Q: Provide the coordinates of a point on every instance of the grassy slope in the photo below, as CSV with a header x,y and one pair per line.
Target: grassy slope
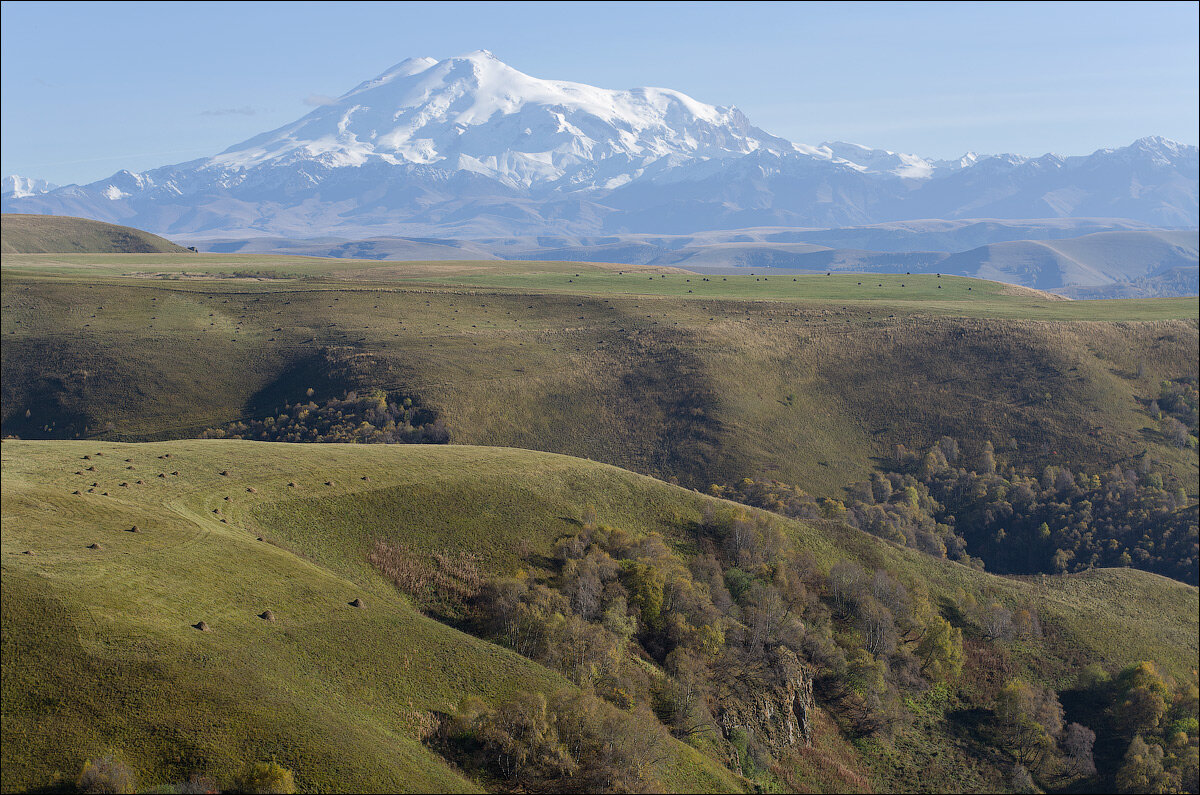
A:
x,y
44,234
100,651
759,382
92,637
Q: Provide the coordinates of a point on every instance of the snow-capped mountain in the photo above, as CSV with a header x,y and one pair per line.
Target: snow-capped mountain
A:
x,y
19,187
469,146
479,115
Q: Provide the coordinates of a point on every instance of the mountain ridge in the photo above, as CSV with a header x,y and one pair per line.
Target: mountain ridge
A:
x,y
469,147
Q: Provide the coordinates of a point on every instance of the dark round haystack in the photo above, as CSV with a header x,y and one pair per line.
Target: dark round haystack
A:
x,y
77,491
252,490
224,472
95,546
29,552
87,458
358,603
134,529
292,484
91,469
203,627
258,539
366,477
176,472
267,615
161,475
128,460
329,483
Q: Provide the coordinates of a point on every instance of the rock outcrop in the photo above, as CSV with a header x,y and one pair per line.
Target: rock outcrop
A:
x,y
773,703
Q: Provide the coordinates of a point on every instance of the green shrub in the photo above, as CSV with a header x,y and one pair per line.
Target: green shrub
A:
x,y
266,777
107,775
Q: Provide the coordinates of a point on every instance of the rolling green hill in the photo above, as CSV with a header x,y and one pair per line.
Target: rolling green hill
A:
x,y
58,234
100,653
802,381
94,637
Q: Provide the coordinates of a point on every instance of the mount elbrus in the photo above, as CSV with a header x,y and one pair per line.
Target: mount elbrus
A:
x,y
469,146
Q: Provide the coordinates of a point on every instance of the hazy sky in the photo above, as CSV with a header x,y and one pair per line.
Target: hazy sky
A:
x,y
87,89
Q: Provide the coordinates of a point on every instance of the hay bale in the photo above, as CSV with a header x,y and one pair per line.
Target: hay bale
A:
x,y
161,475
128,460
224,472
358,603
87,458
77,491
202,626
251,490
176,472
135,529
29,552
365,477
291,484
95,546
329,483
267,615
91,469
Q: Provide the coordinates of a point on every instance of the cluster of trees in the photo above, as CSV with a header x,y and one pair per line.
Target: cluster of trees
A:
x,y
1149,728
1177,410
1149,731
365,418
107,774
975,508
534,743
745,617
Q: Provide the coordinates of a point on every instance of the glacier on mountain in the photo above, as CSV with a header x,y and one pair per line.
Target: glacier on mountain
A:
x,y
469,146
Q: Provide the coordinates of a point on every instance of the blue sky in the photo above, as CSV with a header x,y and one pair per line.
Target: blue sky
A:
x,y
87,89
